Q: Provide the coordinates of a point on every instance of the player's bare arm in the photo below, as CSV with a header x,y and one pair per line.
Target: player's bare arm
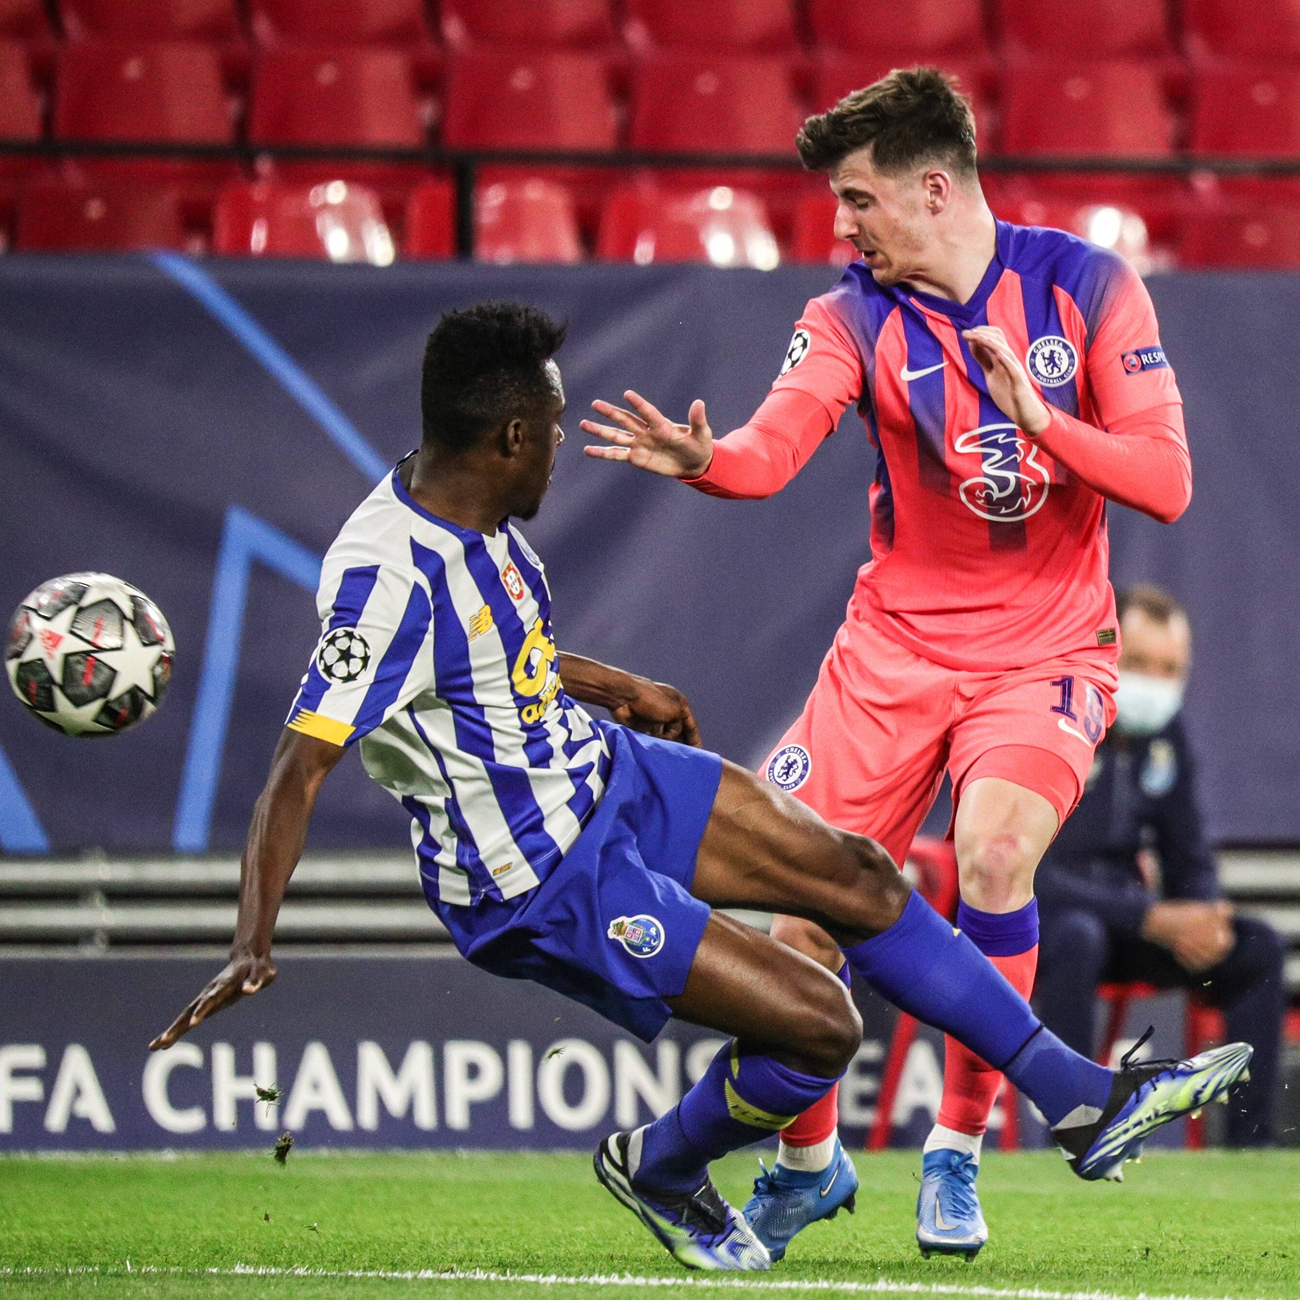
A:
x,y
275,841
654,708
647,439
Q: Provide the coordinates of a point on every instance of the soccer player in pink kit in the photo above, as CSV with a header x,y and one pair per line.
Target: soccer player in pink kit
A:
x,y
1012,381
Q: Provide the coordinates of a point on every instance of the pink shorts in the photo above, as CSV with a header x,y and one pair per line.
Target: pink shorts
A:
x,y
882,725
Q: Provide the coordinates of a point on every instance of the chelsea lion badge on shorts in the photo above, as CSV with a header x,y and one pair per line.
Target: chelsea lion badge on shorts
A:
x,y
789,767
1052,361
642,936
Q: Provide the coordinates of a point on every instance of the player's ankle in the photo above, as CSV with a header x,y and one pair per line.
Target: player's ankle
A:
x,y
950,1139
808,1159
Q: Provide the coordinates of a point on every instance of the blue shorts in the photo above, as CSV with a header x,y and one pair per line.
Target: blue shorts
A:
x,y
614,925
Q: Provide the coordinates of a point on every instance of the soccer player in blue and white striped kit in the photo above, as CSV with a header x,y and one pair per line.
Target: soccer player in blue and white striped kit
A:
x,y
588,855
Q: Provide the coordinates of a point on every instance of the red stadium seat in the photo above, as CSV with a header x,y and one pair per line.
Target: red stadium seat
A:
x,y
718,26
431,220
531,220
529,99
150,20
814,238
720,225
589,187
342,22
1106,29
1268,29
20,101
333,221
1247,111
1039,200
836,74
334,95
687,102
59,217
168,91
23,18
1247,237
912,29
577,24
1112,109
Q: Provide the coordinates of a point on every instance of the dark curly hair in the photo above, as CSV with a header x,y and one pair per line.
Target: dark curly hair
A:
x,y
912,116
483,364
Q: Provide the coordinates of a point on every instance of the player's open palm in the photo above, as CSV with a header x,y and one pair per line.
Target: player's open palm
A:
x,y
243,976
646,438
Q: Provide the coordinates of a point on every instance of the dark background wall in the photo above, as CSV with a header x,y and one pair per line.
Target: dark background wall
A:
x,y
132,419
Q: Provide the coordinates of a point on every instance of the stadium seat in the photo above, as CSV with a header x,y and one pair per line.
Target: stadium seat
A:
x,y
718,26
20,101
1247,237
643,224
332,221
589,187
1110,108
577,24
836,73
334,95
149,20
687,102
529,220
814,239
1246,111
342,22
1106,29
54,216
24,19
909,30
1269,29
167,91
431,220
555,99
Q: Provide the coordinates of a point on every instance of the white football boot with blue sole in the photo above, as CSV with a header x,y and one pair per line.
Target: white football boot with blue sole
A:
x,y
699,1229
1143,1098
786,1201
948,1216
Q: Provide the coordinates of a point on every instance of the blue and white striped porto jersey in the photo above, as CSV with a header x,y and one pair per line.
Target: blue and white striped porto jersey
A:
x,y
436,653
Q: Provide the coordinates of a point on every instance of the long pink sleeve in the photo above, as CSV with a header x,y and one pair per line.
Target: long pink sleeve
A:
x,y
1140,460
761,457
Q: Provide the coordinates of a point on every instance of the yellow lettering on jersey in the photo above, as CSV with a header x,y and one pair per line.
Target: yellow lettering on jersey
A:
x,y
535,666
480,623
321,727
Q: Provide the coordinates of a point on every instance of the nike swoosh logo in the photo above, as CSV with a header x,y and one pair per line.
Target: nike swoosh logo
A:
x,y
1060,722
825,1191
907,375
939,1219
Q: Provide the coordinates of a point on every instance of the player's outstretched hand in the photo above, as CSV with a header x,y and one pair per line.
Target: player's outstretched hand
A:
x,y
1009,385
649,440
659,710
243,976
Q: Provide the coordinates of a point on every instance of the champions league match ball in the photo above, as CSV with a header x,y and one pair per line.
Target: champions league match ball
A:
x,y
89,654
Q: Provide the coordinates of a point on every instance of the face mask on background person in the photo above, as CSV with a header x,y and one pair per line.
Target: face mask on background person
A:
x,y
1145,704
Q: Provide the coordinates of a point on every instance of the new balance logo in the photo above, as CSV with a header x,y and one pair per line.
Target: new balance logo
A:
x,y
907,375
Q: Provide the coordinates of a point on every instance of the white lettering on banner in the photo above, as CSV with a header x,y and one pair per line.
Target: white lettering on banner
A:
x,y
228,1088
595,1084
699,1057
411,1087
471,1071
921,1083
859,1086
76,1092
519,1068
157,1074
633,1081
19,1056
316,1087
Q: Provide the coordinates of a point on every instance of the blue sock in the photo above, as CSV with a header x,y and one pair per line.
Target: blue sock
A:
x,y
741,1099
1000,934
935,973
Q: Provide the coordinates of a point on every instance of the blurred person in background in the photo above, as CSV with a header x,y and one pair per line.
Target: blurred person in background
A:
x,y
1129,890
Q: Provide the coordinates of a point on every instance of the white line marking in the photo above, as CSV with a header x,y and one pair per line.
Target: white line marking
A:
x,y
880,1286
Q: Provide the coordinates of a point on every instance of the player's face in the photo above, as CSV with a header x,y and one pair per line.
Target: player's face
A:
x,y
886,218
1156,649
544,436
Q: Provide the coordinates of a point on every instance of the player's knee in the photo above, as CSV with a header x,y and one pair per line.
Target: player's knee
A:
x,y
877,885
833,1029
996,869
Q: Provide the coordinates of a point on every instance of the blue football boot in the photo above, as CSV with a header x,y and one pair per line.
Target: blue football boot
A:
x,y
786,1201
1143,1098
699,1229
948,1216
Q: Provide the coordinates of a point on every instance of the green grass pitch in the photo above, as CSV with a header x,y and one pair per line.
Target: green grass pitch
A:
x,y
1197,1224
